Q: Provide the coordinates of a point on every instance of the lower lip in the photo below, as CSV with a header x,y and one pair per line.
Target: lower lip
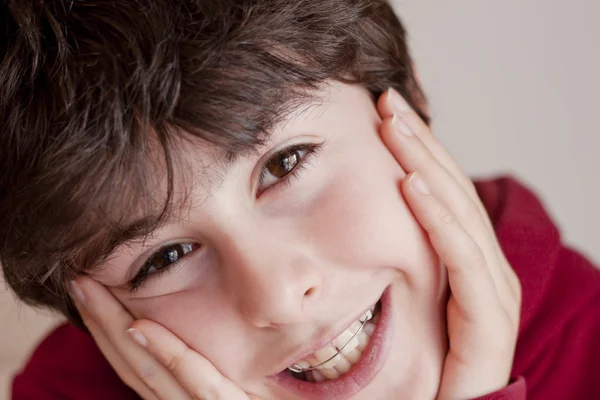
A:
x,y
361,374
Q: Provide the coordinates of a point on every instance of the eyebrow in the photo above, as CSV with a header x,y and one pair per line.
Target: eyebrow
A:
x,y
138,230
225,163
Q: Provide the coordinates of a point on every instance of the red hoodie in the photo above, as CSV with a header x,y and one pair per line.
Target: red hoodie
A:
x,y
557,355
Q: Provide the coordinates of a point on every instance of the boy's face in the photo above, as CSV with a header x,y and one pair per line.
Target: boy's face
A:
x,y
274,265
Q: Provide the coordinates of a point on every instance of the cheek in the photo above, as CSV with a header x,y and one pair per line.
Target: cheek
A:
x,y
206,322
362,219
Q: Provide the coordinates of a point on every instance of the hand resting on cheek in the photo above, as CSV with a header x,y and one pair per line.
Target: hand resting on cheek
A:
x,y
482,312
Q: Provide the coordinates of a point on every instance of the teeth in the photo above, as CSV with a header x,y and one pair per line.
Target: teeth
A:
x,y
341,340
355,326
333,362
330,373
363,340
343,365
325,353
369,328
366,316
317,376
303,364
352,345
354,355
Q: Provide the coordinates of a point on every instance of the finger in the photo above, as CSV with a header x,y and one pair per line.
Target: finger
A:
x,y
111,318
480,328
197,375
412,155
390,103
114,358
468,274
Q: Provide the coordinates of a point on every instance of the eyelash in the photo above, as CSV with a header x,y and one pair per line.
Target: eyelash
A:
x,y
312,149
142,277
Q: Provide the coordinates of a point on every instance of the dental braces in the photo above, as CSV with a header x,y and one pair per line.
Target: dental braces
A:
x,y
298,369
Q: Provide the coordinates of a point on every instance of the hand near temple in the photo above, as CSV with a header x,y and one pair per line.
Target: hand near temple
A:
x,y
484,307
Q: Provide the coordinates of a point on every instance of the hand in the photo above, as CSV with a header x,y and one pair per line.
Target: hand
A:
x,y
162,367
484,307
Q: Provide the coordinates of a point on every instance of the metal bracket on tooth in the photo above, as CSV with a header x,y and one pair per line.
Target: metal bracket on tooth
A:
x,y
298,369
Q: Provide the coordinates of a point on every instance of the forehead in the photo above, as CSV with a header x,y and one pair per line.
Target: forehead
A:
x,y
325,110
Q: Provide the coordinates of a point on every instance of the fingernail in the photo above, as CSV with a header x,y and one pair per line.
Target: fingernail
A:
x,y
137,337
418,183
401,126
398,101
76,292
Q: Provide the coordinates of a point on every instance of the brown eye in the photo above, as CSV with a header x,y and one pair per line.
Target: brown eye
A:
x,y
283,163
167,256
160,262
280,165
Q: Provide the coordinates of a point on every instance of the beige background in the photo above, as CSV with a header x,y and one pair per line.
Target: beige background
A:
x,y
514,87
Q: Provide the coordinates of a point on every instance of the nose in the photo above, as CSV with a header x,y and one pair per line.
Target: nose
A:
x,y
273,282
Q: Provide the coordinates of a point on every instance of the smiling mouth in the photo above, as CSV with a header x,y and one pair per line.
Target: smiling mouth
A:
x,y
354,369
339,356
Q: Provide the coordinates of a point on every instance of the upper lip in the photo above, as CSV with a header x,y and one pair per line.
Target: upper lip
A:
x,y
322,339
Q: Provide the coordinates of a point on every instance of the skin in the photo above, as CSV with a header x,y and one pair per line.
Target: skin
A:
x,y
333,259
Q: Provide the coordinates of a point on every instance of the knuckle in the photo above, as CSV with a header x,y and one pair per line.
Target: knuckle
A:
x,y
207,393
468,213
445,217
104,322
474,258
476,255
146,373
99,318
176,362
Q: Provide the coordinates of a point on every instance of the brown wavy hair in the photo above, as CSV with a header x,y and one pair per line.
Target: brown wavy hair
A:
x,y
86,85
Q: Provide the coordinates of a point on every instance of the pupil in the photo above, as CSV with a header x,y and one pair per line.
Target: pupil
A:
x,y
171,255
284,164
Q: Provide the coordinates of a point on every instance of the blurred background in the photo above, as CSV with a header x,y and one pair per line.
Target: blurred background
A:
x,y
513,87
